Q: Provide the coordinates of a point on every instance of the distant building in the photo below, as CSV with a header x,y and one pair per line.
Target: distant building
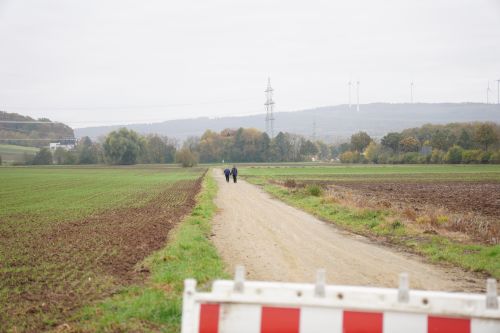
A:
x,y
67,144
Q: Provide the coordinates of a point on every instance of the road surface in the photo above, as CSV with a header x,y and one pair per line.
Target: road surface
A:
x,y
277,242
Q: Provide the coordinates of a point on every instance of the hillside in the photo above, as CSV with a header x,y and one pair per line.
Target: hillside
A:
x,y
32,133
332,122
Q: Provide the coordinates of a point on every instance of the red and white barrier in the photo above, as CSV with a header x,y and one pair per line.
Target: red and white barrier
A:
x,y
264,307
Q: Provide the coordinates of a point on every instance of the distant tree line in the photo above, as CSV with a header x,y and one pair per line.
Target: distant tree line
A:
x,y
125,146
251,145
451,143
118,147
242,145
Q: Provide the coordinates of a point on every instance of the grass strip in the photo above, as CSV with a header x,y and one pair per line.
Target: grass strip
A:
x,y
156,306
384,224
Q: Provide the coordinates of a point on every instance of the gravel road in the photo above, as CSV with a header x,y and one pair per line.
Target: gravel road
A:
x,y
277,242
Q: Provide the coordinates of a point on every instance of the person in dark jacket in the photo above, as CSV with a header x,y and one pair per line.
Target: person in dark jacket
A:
x,y
234,172
227,173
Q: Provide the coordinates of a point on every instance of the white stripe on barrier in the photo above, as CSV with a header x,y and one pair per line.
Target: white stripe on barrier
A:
x,y
233,315
397,322
485,326
196,312
320,320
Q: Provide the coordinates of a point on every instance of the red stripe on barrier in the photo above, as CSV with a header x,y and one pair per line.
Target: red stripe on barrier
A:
x,y
362,322
447,325
209,318
280,320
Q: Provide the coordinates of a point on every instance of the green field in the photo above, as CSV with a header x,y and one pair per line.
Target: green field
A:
x,y
69,236
12,153
54,194
376,172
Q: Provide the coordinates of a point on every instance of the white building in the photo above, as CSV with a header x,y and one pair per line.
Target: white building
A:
x,y
64,144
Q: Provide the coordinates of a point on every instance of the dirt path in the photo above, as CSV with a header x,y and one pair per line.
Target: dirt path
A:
x,y
281,243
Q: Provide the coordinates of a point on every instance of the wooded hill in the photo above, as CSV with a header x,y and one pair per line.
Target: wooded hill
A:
x,y
32,134
333,123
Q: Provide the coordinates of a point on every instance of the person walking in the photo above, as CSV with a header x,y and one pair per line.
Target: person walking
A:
x,y
234,172
227,173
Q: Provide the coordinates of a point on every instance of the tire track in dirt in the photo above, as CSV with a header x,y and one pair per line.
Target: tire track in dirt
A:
x,y
278,242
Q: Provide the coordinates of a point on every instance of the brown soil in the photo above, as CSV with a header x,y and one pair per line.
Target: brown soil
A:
x,y
81,261
459,197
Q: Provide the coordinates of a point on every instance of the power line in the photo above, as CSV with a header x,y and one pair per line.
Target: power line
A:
x,y
27,122
14,139
123,107
133,121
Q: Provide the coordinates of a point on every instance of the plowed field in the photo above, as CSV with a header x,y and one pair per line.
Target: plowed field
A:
x,y
51,266
459,197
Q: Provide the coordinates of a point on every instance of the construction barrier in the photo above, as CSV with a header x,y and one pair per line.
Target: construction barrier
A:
x,y
270,307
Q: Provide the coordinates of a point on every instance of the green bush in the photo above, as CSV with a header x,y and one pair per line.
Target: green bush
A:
x,y
43,157
396,225
63,156
495,157
485,157
314,190
384,158
454,155
411,158
396,159
472,156
347,157
186,158
437,156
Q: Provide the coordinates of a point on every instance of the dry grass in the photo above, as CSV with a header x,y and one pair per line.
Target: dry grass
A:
x,y
481,228
425,218
410,214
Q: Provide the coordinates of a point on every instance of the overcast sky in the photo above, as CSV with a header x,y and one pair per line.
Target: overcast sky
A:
x,y
101,61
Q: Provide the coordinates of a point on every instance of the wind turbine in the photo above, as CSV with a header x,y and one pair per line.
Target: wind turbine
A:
x,y
498,91
411,92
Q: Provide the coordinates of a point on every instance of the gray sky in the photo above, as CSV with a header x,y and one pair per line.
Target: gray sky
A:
x,y
116,61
